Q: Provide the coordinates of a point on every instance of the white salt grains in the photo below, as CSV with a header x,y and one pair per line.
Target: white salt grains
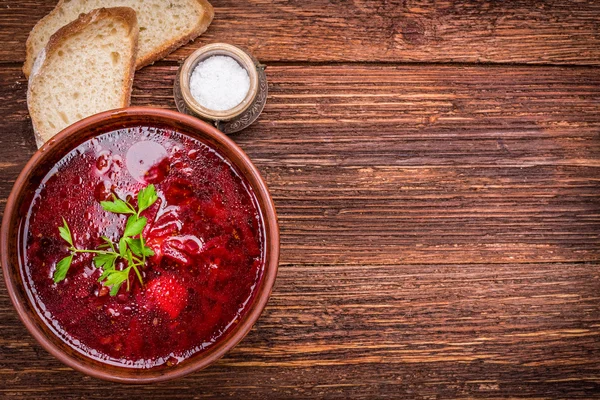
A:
x,y
219,83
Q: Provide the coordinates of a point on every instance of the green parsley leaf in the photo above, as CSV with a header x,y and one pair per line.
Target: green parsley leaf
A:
x,y
62,267
115,279
117,206
146,197
114,288
65,232
134,226
147,251
136,247
105,274
123,247
106,254
106,261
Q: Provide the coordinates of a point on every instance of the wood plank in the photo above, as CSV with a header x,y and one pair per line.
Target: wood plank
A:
x,y
440,237
519,31
383,165
392,165
336,331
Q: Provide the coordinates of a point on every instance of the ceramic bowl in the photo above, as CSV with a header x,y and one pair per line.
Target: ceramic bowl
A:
x,y
54,150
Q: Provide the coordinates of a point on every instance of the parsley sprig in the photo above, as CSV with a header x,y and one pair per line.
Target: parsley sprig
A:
x,y
131,247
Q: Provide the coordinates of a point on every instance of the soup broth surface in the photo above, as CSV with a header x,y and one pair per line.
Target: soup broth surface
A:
x,y
205,230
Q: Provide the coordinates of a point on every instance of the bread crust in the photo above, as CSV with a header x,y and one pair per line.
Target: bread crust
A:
x,y
206,9
207,17
28,65
126,14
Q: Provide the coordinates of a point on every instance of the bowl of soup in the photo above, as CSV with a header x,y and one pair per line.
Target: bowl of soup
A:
x,y
139,245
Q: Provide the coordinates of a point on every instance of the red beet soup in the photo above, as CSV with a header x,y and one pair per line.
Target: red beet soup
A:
x,y
204,234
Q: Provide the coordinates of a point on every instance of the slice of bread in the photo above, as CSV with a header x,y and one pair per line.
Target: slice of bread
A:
x,y
165,25
86,67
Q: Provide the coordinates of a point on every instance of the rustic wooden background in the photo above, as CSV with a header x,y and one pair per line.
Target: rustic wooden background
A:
x,y
435,166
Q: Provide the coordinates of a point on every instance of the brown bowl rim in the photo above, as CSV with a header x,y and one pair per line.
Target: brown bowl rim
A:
x,y
258,304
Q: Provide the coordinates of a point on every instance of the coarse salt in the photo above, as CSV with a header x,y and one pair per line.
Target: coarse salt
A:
x,y
219,83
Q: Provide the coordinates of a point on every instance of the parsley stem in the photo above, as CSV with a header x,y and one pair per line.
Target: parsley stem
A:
x,y
128,278
74,250
143,252
137,272
136,259
139,211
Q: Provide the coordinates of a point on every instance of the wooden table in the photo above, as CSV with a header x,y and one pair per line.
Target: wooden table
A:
x,y
435,166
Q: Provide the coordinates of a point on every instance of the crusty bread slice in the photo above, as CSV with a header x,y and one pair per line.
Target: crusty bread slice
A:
x,y
86,67
165,25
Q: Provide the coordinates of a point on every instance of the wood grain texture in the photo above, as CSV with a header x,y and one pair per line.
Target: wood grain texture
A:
x,y
440,230
440,224
517,31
